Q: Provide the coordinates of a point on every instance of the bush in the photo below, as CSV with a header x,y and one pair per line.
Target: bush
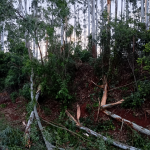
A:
x,y
25,91
137,99
4,60
11,138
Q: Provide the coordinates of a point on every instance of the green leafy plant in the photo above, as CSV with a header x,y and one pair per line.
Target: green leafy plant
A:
x,y
11,138
136,99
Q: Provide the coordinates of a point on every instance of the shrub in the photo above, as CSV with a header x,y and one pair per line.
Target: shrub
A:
x,y
11,138
137,99
25,91
4,59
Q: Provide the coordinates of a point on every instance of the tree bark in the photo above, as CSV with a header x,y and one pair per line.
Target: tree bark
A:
x,y
146,14
142,11
94,52
89,17
116,9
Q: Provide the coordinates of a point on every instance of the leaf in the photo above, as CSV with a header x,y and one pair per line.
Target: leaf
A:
x,y
78,113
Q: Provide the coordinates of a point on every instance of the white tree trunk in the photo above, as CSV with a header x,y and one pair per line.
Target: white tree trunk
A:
x,y
89,17
93,19
74,23
115,143
127,10
121,8
96,19
25,5
131,124
116,8
62,33
142,11
146,14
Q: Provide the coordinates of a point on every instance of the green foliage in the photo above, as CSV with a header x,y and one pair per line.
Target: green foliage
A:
x,y
11,138
138,141
25,91
4,60
84,55
136,99
17,74
55,76
13,96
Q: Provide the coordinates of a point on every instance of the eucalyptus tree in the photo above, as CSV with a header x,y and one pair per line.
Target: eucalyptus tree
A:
x,y
121,8
74,22
96,18
7,12
116,9
127,10
146,14
84,24
142,11
89,17
108,9
94,52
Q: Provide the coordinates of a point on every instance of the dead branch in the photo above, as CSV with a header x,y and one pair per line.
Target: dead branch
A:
x,y
127,122
71,117
100,86
112,104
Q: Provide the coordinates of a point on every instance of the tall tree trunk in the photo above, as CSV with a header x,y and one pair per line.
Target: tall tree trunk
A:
x,y
116,9
142,11
74,24
127,10
96,21
121,8
62,33
146,14
94,52
84,11
108,9
2,35
25,6
89,17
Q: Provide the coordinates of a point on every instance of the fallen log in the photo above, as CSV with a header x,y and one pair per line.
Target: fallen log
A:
x,y
49,146
127,122
115,143
27,130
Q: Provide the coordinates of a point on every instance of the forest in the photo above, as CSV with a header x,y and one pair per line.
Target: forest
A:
x,y
74,74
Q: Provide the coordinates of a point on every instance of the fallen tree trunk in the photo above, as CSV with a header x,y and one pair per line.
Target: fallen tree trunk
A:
x,y
127,122
115,143
27,130
49,146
